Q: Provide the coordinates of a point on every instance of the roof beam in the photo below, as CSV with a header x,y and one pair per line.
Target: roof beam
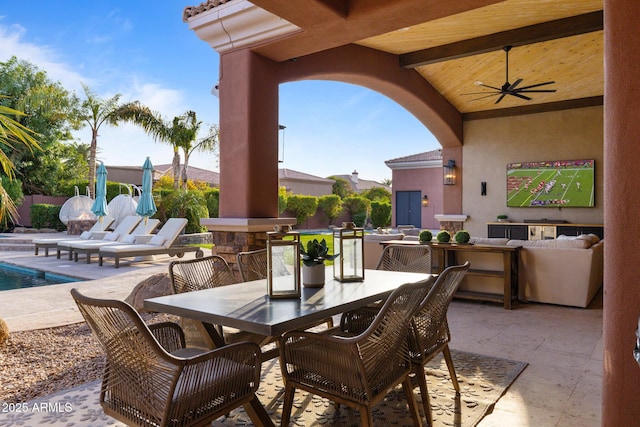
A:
x,y
568,104
581,24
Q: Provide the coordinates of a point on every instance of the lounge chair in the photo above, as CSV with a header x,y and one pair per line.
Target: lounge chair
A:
x,y
97,231
125,227
142,231
160,244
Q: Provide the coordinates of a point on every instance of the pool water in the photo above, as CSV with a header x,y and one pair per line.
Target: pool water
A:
x,y
14,277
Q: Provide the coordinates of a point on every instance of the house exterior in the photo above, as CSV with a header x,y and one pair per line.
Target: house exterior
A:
x,y
417,189
303,183
358,185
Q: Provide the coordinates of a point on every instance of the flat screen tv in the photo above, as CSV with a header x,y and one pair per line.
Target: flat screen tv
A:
x,y
558,183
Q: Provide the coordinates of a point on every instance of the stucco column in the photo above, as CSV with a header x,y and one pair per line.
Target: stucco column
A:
x,y
248,136
621,377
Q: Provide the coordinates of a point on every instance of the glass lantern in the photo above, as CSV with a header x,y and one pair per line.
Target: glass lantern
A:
x,y
283,263
348,241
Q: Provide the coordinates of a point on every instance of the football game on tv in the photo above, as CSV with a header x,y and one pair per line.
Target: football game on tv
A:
x,y
559,183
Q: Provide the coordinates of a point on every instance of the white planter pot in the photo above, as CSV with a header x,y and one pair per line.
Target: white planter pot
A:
x,y
313,277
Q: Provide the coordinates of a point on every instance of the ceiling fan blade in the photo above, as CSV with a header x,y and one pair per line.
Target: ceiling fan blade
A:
x,y
519,96
481,93
501,96
535,90
536,85
483,97
490,87
516,83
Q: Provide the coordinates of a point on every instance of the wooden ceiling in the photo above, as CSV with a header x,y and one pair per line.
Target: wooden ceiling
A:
x,y
553,40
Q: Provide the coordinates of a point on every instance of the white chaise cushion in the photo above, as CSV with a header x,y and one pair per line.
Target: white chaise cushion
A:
x,y
157,240
86,235
112,237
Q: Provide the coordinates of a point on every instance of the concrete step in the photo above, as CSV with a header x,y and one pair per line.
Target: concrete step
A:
x,y
11,247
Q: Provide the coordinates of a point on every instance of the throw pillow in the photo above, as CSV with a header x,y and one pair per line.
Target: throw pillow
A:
x,y
157,240
113,236
129,238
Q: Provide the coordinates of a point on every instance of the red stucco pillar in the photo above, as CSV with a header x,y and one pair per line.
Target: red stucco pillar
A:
x,y
621,375
248,136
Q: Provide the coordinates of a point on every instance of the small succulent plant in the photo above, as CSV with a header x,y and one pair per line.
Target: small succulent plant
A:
x,y
316,253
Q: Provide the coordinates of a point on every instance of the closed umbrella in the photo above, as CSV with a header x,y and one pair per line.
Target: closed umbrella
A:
x,y
99,207
146,205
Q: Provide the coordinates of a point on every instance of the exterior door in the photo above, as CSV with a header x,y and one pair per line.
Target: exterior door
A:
x,y
408,208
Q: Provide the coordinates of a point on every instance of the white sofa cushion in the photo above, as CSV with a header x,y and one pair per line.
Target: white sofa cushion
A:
x,y
112,237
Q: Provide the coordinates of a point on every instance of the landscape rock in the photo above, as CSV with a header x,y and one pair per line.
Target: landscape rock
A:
x,y
4,331
153,286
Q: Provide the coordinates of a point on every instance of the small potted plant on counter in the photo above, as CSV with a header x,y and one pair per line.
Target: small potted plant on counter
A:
x,y
313,257
425,236
502,218
462,237
443,236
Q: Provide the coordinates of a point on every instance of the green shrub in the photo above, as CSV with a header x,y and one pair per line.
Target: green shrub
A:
x,y
380,214
359,219
283,195
331,205
302,207
44,215
189,204
462,236
443,236
212,197
425,236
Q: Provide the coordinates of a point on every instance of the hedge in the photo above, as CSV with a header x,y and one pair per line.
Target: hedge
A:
x,y
44,215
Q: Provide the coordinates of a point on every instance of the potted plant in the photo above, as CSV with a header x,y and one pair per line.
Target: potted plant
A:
x,y
425,236
313,257
443,236
502,218
462,237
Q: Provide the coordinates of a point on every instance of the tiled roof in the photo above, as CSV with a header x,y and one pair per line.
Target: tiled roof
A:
x,y
420,157
193,172
362,184
291,174
190,11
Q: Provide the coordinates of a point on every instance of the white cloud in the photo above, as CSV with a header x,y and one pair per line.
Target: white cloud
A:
x,y
43,56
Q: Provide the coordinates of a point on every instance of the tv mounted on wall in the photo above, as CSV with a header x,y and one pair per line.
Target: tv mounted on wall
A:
x,y
558,183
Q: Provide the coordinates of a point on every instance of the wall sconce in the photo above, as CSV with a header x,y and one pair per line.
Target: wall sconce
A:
x,y
425,201
449,172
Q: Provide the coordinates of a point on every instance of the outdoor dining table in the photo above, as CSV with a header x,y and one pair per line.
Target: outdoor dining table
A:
x,y
247,306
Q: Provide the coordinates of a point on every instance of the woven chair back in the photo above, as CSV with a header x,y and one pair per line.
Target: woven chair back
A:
x,y
383,345
200,273
252,265
413,259
429,326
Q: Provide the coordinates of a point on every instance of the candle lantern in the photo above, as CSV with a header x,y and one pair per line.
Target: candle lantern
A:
x,y
283,263
348,241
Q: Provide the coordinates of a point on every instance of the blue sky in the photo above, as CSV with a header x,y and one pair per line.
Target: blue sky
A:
x,y
144,51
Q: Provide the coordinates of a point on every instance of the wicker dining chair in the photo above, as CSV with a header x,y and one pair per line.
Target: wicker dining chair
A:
x,y
151,379
413,259
204,273
197,274
252,264
429,333
355,371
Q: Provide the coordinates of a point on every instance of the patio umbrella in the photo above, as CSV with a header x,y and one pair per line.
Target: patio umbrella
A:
x,y
146,205
99,207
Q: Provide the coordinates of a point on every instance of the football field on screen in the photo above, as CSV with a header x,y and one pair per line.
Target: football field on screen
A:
x,y
569,187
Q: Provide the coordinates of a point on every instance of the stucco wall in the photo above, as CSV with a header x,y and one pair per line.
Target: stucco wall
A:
x,y
492,143
307,188
426,180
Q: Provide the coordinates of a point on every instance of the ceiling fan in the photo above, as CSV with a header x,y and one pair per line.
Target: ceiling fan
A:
x,y
510,88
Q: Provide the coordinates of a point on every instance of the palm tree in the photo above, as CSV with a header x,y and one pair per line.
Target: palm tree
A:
x,y
11,133
95,112
181,133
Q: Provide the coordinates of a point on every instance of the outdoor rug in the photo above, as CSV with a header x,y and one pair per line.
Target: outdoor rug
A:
x,y
482,379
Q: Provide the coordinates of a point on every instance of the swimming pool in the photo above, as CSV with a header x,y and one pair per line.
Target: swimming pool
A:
x,y
15,277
